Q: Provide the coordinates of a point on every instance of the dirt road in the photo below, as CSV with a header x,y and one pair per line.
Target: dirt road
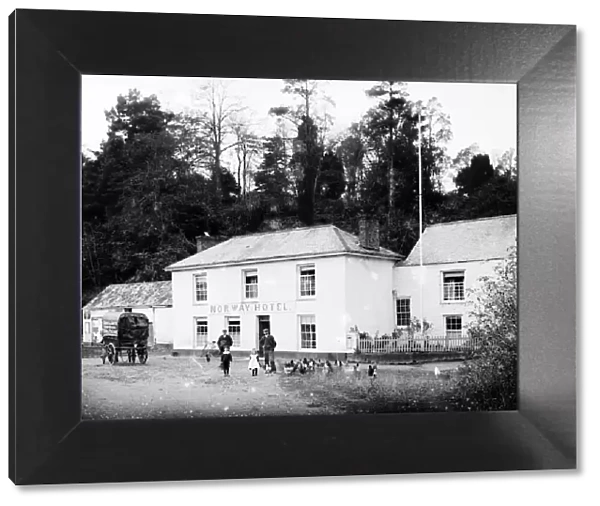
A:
x,y
185,387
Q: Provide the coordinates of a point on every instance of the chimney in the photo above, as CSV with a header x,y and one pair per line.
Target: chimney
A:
x,y
203,242
368,233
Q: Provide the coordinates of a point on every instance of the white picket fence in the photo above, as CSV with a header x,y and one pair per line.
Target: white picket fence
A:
x,y
426,344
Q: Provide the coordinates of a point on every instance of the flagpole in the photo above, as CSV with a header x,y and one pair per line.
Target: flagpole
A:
x,y
421,231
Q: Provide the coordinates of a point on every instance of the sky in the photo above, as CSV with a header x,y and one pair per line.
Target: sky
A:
x,y
485,114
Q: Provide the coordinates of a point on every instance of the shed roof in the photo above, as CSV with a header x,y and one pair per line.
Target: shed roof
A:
x,y
155,293
321,240
464,241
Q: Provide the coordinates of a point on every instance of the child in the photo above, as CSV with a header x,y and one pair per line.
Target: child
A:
x,y
253,365
226,360
372,370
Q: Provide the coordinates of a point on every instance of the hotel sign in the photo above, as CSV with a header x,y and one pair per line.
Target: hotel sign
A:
x,y
253,307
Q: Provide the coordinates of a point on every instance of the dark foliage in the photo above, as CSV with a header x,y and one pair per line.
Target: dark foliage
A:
x,y
478,173
156,182
489,381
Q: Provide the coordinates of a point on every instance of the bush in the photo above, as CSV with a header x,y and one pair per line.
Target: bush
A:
x,y
489,380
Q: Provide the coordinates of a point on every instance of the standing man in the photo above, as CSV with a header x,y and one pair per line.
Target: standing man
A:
x,y
269,347
224,341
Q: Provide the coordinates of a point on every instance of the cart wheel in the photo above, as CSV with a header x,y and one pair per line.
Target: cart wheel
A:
x,y
143,355
112,353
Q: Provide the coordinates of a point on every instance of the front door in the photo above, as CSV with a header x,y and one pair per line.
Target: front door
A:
x,y
264,322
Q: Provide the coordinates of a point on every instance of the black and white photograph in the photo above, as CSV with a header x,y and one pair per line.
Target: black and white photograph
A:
x,y
268,246
258,247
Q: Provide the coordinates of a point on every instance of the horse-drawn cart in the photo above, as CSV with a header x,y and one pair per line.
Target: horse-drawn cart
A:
x,y
125,332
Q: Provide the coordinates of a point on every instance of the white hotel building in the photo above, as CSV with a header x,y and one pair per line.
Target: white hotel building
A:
x,y
311,286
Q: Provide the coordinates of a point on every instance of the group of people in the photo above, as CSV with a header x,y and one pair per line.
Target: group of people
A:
x,y
267,345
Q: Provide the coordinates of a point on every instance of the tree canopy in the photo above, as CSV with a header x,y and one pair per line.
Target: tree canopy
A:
x,y
160,179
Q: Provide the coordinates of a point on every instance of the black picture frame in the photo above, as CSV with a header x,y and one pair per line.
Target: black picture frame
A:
x,y
49,50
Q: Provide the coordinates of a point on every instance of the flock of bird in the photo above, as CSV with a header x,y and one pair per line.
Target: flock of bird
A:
x,y
311,365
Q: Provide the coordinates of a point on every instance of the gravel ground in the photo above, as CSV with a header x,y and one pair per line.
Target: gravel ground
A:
x,y
185,387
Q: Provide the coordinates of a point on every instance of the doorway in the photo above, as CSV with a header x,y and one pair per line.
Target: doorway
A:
x,y
264,322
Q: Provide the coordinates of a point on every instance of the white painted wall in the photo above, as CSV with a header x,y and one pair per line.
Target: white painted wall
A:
x,y
406,284
350,291
163,325
278,284
370,303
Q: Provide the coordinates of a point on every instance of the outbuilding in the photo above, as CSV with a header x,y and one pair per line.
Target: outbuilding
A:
x,y
154,299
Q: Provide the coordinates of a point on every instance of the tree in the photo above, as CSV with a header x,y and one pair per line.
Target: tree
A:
x,y
393,106
351,152
142,204
497,197
191,145
307,159
464,156
387,144
247,146
271,179
312,102
145,233
507,165
93,216
391,183
437,133
216,116
161,179
310,95
478,173
134,114
312,126
489,381
286,132
459,162
330,180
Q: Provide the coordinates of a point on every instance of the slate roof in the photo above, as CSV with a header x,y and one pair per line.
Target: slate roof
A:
x,y
313,241
155,293
464,241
